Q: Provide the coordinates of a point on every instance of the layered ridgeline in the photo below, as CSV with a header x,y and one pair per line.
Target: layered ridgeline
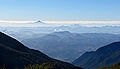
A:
x,y
14,55
103,57
68,46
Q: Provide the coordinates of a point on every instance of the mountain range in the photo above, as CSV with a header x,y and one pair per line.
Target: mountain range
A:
x,y
14,54
102,57
59,44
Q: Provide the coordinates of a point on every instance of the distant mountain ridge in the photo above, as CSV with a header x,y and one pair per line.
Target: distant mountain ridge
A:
x,y
102,57
14,55
59,44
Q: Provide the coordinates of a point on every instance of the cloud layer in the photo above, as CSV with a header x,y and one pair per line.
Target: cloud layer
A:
x,y
82,21
55,23
1,21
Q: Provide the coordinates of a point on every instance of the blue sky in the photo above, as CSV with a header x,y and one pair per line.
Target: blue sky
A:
x,y
60,10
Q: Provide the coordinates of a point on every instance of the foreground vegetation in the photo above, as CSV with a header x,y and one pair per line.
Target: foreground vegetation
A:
x,y
116,66
46,65
2,67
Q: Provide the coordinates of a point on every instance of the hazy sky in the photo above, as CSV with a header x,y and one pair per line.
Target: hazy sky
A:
x,y
60,10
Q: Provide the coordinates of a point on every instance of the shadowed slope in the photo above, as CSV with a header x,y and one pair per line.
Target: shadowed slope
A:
x,y
13,55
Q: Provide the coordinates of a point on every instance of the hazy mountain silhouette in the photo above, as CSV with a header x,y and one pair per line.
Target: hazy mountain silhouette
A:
x,y
68,46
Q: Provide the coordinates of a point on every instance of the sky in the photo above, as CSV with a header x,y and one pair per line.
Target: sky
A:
x,y
60,10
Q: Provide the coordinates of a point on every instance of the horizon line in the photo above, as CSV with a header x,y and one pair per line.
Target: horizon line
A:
x,y
5,21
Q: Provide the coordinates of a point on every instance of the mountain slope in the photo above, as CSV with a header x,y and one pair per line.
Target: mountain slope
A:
x,y
104,56
13,55
60,44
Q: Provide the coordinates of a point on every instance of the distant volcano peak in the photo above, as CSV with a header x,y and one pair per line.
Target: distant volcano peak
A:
x,y
40,22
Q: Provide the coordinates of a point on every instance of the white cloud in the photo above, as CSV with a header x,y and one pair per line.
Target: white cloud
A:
x,y
82,22
53,23
2,21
